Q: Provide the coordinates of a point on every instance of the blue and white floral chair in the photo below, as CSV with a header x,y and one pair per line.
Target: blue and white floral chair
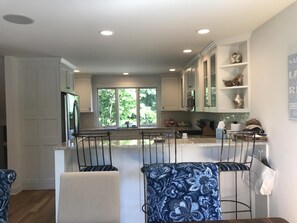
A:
x,y
182,192
7,177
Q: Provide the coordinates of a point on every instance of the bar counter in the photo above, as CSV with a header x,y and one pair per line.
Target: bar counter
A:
x,y
127,157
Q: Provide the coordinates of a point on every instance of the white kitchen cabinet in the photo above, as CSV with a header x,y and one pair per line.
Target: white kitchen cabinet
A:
x,y
83,88
171,93
229,71
37,123
66,77
208,71
190,86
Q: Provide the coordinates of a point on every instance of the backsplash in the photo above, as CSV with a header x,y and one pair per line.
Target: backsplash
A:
x,y
228,118
88,121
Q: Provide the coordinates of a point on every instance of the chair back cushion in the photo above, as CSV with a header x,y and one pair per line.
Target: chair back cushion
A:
x,y
7,177
89,197
182,192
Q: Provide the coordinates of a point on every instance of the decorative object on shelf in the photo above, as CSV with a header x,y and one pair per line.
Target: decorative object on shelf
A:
x,y
237,81
238,101
236,58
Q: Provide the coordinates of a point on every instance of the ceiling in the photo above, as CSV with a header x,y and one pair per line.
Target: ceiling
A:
x,y
149,34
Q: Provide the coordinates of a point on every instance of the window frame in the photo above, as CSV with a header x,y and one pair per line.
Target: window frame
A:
x,y
117,106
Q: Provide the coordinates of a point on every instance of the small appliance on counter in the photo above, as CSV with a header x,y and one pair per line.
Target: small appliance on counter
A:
x,y
70,115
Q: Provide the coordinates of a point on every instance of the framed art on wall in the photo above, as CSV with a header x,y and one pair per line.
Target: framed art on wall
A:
x,y
292,85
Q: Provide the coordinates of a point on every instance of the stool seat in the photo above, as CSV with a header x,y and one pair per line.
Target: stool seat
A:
x,y
225,166
99,168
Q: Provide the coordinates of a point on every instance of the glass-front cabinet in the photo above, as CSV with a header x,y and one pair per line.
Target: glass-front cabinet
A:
x,y
208,65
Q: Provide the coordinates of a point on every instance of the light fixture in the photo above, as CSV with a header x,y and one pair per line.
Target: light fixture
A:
x,y
106,33
125,73
203,31
172,70
76,71
18,19
187,51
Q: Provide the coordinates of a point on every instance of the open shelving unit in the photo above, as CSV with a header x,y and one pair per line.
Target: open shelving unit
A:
x,y
228,71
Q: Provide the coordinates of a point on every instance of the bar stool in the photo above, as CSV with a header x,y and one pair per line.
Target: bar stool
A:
x,y
236,156
94,152
157,147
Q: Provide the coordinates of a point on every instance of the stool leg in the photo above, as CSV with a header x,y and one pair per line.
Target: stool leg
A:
x,y
236,199
250,191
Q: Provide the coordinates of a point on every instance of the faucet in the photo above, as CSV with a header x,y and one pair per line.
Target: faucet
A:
x,y
127,123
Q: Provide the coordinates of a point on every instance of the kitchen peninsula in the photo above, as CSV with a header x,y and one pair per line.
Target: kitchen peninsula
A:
x,y
127,157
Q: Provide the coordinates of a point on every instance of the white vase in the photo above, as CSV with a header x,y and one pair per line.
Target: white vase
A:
x,y
238,101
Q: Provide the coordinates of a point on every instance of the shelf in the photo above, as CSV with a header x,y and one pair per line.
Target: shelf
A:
x,y
239,110
234,87
234,65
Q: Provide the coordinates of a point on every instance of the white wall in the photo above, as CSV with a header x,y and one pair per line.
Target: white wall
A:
x,y
2,93
13,120
270,46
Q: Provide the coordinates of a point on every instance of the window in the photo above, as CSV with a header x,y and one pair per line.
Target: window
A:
x,y
127,107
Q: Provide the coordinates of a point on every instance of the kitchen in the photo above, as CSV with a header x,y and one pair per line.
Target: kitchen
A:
x,y
270,45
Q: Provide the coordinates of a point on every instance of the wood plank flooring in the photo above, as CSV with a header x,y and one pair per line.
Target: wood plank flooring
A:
x,y
32,206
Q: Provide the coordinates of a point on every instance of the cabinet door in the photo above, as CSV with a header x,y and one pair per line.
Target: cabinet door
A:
x,y
66,79
170,94
83,88
209,82
213,81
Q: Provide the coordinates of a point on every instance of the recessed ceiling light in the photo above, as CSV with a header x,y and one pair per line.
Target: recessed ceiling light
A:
x,y
172,70
106,33
18,19
203,31
187,51
76,71
125,73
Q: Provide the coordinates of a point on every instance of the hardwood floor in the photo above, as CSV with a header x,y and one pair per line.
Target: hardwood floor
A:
x,y
32,206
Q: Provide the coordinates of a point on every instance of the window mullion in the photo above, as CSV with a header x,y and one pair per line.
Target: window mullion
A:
x,y
138,106
117,107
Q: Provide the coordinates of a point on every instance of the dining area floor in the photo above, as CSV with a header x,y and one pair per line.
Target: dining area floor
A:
x,y
32,206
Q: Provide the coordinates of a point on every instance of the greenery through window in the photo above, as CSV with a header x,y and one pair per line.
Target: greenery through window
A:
x,y
127,107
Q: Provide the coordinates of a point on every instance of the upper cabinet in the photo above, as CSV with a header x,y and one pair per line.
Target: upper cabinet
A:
x,y
171,93
66,77
223,79
233,93
190,86
83,88
208,77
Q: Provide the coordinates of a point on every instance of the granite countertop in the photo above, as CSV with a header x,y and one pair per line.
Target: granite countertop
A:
x,y
136,143
199,140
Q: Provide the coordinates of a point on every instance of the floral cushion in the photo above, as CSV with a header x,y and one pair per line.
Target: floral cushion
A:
x,y
7,177
180,192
